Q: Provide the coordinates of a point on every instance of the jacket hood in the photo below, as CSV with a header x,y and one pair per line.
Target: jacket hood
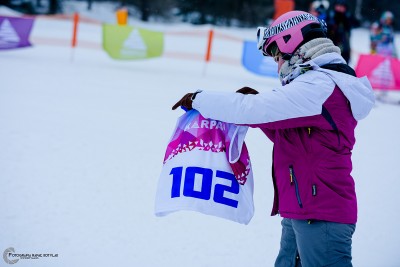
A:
x,y
357,90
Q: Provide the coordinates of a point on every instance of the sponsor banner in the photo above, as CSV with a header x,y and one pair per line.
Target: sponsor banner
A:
x,y
130,43
254,61
14,32
382,72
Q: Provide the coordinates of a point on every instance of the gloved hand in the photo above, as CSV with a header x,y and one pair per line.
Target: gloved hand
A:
x,y
247,91
186,102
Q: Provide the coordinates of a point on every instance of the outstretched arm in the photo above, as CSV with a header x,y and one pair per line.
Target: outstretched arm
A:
x,y
300,99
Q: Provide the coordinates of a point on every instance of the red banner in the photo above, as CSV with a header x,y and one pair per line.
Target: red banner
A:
x,y
283,6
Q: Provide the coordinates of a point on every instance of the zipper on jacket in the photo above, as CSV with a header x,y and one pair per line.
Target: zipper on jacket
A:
x,y
293,180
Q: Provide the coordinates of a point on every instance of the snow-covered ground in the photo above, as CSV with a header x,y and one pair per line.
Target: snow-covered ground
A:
x,y
82,139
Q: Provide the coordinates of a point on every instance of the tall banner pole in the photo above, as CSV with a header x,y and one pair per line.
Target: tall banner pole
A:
x,y
208,52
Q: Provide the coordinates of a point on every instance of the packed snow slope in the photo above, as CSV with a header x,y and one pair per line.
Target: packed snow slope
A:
x,y
82,139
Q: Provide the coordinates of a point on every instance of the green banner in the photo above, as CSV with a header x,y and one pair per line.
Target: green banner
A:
x,y
129,43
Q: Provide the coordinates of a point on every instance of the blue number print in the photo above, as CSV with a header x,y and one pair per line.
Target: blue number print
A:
x,y
206,185
219,189
176,181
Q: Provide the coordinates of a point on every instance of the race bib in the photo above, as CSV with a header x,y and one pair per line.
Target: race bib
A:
x,y
206,169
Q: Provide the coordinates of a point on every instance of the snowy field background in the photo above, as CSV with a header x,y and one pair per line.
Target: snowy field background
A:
x,y
82,139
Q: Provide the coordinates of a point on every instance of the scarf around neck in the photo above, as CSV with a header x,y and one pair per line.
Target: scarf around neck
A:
x,y
304,53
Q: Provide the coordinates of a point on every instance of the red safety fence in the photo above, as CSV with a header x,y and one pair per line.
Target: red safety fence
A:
x,y
210,36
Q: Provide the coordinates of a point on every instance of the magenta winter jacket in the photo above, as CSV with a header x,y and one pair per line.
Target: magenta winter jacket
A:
x,y
312,164
311,122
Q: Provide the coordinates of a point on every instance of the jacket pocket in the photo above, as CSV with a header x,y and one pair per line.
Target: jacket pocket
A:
x,y
293,181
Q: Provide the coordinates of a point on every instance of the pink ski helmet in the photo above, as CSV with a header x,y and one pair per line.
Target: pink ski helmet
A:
x,y
289,31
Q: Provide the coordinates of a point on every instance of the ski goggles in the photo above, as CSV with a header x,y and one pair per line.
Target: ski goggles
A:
x,y
273,51
261,40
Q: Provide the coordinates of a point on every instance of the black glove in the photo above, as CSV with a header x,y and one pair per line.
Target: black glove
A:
x,y
247,91
186,102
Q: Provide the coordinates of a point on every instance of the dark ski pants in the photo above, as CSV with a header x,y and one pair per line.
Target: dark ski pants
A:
x,y
315,244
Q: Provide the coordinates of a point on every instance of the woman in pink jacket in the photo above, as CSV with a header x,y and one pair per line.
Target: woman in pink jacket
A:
x,y
311,120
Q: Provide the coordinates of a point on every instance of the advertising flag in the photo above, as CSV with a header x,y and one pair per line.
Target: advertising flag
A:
x,y
130,43
382,72
255,62
14,32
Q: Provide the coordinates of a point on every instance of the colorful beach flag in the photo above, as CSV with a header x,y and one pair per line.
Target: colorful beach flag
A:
x,y
130,43
14,32
382,72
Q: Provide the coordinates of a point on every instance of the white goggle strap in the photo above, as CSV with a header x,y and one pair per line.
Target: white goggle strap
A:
x,y
260,37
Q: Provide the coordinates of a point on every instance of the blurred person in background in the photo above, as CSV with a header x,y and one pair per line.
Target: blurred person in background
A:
x,y
319,9
311,120
340,22
382,36
382,44
375,36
